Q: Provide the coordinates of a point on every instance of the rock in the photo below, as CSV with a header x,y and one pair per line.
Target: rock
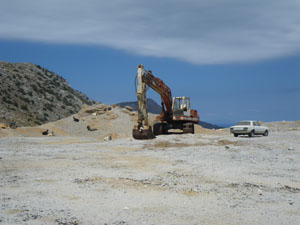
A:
x,y
227,146
51,133
124,110
108,138
46,132
91,128
13,124
94,109
108,108
3,126
290,148
129,108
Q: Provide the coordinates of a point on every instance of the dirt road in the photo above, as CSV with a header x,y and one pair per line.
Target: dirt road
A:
x,y
174,179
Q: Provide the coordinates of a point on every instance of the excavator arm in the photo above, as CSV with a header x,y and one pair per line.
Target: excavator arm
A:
x,y
165,93
143,130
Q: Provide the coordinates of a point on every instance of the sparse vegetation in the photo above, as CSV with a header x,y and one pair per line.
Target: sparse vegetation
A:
x,y
34,87
49,106
24,107
36,95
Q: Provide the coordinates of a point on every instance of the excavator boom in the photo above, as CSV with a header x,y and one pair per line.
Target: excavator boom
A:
x,y
165,93
142,130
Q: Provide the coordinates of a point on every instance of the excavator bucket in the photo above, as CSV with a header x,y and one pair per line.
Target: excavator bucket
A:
x,y
142,134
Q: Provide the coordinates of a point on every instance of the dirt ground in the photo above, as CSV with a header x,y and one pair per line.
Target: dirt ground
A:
x,y
206,178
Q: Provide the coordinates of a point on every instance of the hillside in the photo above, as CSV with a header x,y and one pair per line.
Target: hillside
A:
x,y
153,107
31,95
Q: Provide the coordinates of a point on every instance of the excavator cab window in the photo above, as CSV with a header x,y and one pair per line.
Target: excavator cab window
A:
x,y
180,105
177,104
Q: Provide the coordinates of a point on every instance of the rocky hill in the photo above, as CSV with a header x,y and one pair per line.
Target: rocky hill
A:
x,y
152,106
31,95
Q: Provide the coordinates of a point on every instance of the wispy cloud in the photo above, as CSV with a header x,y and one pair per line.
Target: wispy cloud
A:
x,y
197,31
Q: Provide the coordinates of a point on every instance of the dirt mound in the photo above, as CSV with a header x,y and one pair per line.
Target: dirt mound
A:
x,y
200,130
283,125
98,121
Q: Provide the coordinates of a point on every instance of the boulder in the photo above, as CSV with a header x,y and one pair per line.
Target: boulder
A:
x,y
94,109
129,108
107,138
3,126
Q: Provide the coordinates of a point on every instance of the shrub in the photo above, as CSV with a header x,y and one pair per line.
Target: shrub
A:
x,y
34,87
7,101
24,107
21,90
49,106
18,83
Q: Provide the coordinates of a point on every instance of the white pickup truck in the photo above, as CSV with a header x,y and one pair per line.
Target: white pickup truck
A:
x,y
250,128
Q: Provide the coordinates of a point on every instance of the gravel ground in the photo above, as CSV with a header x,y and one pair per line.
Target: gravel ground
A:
x,y
174,179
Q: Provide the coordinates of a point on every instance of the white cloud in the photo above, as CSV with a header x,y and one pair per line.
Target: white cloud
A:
x,y
197,31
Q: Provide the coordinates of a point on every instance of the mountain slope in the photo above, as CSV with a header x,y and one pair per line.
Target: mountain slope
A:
x,y
152,106
31,95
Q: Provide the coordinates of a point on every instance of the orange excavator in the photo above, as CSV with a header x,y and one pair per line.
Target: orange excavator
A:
x,y
176,112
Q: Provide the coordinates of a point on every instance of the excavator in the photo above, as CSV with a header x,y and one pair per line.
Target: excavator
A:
x,y
176,112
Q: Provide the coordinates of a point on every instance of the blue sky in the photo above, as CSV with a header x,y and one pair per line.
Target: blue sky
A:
x,y
236,60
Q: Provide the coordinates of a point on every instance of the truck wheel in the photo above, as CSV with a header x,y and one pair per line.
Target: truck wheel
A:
x,y
266,133
236,135
251,134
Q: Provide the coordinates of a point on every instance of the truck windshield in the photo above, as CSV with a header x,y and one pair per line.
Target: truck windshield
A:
x,y
243,123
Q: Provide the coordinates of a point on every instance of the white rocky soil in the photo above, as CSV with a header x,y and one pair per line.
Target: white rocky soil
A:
x,y
210,177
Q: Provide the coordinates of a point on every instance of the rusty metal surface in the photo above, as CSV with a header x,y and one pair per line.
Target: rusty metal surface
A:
x,y
143,134
164,91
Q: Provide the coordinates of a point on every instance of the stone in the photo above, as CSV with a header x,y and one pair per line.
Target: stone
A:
x,y
3,126
129,108
91,128
108,138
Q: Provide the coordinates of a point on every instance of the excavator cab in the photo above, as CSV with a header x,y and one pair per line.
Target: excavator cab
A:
x,y
181,106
